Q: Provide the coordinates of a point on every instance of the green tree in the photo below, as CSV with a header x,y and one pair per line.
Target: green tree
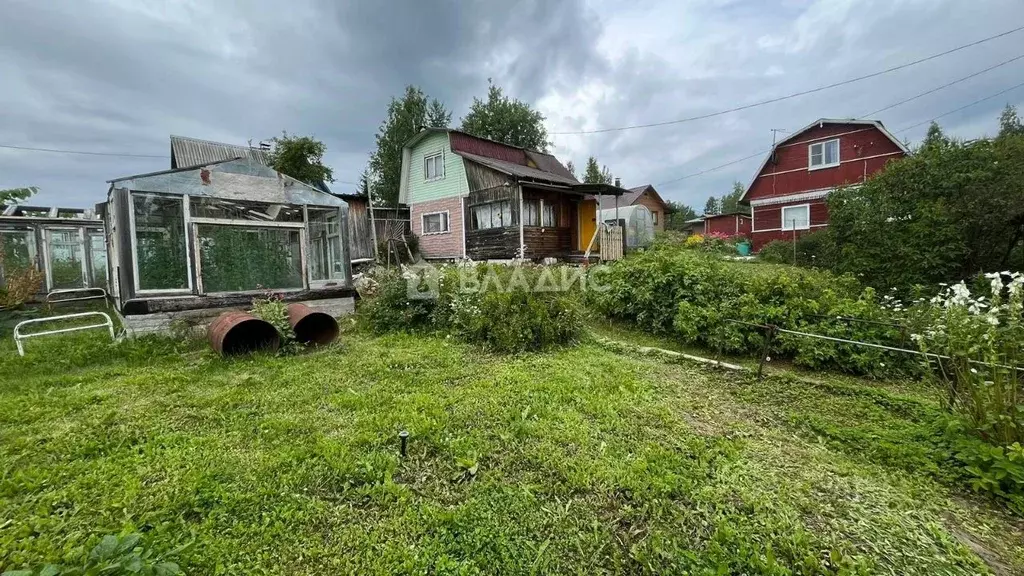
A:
x,y
730,202
571,168
935,137
945,213
1009,122
712,206
677,214
506,120
405,117
301,157
17,195
596,174
437,115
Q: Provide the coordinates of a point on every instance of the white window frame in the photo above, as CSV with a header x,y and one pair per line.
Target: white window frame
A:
x,y
822,144
447,223
788,228
433,157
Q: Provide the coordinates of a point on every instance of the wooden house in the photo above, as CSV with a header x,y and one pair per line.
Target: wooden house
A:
x,y
644,195
787,194
470,197
735,223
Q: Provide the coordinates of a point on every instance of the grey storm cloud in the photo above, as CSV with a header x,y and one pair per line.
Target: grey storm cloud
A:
x,y
121,76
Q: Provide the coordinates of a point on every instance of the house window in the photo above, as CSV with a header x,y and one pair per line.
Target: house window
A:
x,y
796,217
654,217
433,166
531,213
548,214
823,154
435,223
492,215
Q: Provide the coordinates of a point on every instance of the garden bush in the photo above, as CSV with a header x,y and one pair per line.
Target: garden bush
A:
x,y
814,250
693,295
506,309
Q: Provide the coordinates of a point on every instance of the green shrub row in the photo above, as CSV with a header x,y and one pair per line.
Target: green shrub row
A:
x,y
505,308
694,296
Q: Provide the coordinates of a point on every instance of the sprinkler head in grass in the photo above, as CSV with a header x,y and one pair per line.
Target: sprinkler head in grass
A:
x,y
404,437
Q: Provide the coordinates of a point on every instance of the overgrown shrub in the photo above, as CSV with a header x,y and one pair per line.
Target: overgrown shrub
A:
x,y
815,250
389,307
777,252
506,309
696,296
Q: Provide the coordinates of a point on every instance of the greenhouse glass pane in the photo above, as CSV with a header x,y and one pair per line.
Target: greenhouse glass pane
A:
x,y
245,258
324,255
160,243
18,248
98,256
65,248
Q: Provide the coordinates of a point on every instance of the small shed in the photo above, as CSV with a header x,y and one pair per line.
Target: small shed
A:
x,y
733,223
65,243
188,243
637,222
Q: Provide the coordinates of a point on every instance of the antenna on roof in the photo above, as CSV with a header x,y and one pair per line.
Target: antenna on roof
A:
x,y
775,132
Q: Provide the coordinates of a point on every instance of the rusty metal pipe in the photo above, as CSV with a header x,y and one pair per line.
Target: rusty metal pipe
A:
x,y
312,327
236,332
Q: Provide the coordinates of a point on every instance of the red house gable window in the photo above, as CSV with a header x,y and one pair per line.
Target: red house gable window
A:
x,y
823,154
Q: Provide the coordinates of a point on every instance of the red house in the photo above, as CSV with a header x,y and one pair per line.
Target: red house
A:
x,y
731,224
787,195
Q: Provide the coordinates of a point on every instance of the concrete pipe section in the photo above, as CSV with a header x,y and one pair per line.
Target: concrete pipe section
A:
x,y
237,332
312,327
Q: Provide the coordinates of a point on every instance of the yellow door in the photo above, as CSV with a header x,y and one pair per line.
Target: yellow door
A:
x,y
588,223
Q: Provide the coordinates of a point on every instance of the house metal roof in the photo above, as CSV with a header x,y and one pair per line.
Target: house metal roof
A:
x,y
187,152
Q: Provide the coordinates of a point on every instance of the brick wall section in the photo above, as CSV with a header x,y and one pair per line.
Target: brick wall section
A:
x,y
445,245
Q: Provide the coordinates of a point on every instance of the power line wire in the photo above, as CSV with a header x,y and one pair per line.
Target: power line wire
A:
x,y
944,86
789,96
82,152
900,131
120,155
965,106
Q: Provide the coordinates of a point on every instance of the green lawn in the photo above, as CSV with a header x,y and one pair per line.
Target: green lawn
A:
x,y
581,461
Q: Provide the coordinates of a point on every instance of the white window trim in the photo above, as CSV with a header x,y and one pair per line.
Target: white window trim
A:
x,y
782,217
431,156
447,222
822,166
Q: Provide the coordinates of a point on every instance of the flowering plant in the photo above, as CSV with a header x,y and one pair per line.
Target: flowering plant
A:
x,y
974,345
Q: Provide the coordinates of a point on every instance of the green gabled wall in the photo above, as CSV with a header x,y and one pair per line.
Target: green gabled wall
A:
x,y
454,181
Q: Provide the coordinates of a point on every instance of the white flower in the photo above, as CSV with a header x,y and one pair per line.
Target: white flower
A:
x,y
974,371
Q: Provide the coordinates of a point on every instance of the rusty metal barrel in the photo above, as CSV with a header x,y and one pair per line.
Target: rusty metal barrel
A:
x,y
237,332
310,326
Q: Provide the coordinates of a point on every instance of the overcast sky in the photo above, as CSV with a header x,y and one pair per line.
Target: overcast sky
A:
x,y
120,76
